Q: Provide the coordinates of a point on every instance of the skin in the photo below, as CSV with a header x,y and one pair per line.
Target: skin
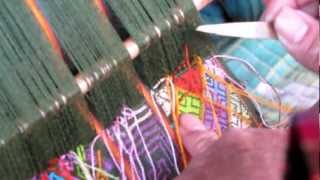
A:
x,y
249,155
289,16
255,153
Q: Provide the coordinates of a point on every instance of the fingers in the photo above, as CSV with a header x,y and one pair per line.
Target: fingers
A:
x,y
250,154
194,135
299,33
299,3
200,4
274,7
296,29
311,8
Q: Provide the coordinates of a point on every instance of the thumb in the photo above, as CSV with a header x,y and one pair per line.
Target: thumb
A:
x,y
195,136
299,33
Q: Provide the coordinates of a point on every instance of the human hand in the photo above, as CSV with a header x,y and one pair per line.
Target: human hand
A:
x,y
297,28
239,154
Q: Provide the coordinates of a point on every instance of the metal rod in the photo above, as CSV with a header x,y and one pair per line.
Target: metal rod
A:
x,y
133,50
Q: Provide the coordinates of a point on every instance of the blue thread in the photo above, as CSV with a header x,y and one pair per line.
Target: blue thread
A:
x,y
54,176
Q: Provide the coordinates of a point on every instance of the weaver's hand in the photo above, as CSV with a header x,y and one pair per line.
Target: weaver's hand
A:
x,y
239,154
296,24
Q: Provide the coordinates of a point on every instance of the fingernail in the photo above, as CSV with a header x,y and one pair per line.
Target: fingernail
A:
x,y
190,122
290,26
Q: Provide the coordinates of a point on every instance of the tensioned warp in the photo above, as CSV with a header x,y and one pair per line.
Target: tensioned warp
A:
x,y
45,44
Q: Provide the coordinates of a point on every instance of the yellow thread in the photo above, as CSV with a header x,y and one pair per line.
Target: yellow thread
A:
x,y
229,107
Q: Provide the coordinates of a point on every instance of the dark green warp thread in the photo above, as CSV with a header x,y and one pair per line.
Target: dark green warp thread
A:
x,y
89,41
159,57
34,81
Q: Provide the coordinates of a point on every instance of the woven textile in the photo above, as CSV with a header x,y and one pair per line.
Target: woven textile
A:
x,y
145,147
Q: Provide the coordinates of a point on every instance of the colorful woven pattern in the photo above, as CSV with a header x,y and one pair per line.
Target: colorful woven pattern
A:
x,y
141,145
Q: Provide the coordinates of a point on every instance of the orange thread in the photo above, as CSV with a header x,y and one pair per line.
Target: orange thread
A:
x,y
174,114
216,121
229,107
205,90
101,7
145,92
177,130
45,26
187,65
94,122
203,84
176,138
99,161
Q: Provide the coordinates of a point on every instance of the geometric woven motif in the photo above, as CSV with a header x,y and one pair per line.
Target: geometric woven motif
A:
x,y
144,145
189,103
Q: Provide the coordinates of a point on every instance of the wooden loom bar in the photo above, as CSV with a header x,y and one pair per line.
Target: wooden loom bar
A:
x,y
85,83
133,48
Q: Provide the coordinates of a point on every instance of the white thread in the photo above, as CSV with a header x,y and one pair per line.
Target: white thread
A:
x,y
135,149
231,79
173,100
124,124
92,154
252,69
140,110
252,98
145,146
141,119
129,152
111,154
82,166
167,133
120,145
98,170
133,168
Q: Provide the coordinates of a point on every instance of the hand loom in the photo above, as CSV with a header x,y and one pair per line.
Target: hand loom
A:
x,y
66,73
